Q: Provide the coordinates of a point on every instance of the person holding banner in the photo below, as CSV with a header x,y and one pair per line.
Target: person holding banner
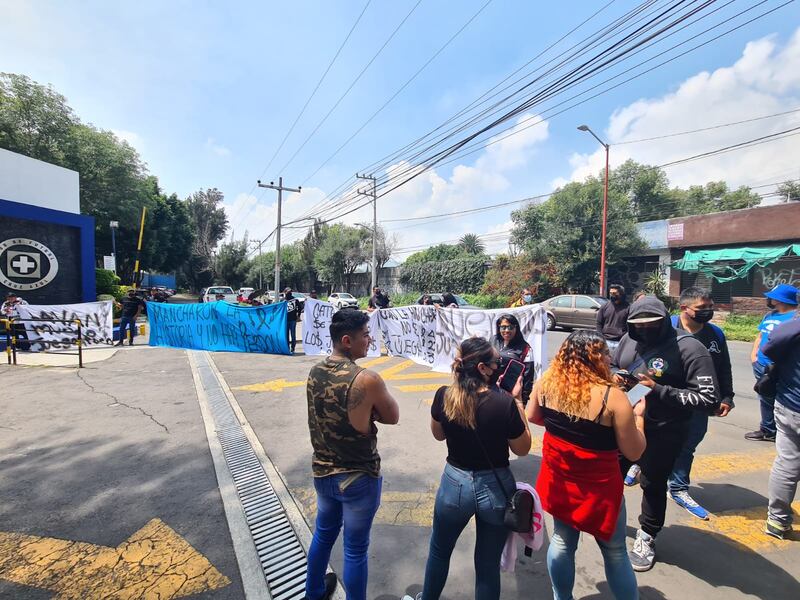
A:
x,y
480,423
511,344
292,316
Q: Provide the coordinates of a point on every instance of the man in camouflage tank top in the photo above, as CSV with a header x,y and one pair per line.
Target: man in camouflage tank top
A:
x,y
344,402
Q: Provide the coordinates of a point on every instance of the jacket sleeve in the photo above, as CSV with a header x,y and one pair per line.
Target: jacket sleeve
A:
x,y
601,318
702,390
781,340
725,375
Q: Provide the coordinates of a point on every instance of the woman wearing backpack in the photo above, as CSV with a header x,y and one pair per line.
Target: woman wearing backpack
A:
x,y
588,422
480,423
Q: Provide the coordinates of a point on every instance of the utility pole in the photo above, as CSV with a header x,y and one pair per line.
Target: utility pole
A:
x,y
605,212
374,195
280,189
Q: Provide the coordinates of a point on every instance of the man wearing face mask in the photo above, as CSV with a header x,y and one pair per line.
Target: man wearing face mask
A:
x,y
782,301
612,318
525,298
680,374
697,309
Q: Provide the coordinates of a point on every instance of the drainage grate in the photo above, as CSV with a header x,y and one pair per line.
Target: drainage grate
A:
x,y
282,556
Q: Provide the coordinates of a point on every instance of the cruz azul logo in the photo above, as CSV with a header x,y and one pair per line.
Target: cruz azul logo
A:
x,y
26,264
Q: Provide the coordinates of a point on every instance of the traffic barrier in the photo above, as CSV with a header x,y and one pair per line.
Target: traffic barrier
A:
x,y
11,337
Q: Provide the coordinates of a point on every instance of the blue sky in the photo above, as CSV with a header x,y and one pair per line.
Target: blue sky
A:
x,y
206,91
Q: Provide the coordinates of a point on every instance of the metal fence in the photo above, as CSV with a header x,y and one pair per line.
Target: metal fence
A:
x,y
12,339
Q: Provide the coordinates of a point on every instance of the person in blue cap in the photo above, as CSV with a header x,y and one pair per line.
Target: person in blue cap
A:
x,y
782,300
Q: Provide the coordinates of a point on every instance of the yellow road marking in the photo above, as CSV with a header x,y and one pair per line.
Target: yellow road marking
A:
x,y
423,387
376,361
155,562
710,466
397,508
274,385
745,527
389,373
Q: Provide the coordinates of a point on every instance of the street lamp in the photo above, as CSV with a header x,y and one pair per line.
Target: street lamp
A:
x,y
605,214
114,226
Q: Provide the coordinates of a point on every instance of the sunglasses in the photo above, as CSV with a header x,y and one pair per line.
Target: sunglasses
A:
x,y
507,328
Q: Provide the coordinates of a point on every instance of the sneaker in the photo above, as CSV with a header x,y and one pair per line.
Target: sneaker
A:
x,y
417,597
684,500
776,530
643,554
633,475
760,435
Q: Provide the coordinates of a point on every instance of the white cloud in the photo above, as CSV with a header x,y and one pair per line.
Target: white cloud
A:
x,y
217,149
763,81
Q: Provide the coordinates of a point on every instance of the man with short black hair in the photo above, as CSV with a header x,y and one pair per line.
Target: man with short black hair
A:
x,y
612,318
344,402
697,310
132,307
378,300
782,302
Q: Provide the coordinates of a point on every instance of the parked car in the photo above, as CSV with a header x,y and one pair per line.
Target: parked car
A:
x,y
211,293
342,300
573,310
437,299
244,293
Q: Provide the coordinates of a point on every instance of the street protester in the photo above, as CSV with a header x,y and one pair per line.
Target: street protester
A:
x,y
638,295
510,343
10,310
313,294
697,310
526,297
292,317
449,300
131,306
480,423
377,300
612,318
588,421
783,348
344,402
680,374
425,300
782,302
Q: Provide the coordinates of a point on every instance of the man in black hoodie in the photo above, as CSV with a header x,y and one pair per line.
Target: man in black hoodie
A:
x,y
612,318
680,374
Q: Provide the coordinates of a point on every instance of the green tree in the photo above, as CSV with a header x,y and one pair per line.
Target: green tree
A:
x,y
232,265
293,268
647,190
716,197
208,221
471,244
789,191
340,252
551,234
437,253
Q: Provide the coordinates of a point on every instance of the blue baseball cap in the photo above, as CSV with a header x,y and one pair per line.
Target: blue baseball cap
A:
x,y
783,293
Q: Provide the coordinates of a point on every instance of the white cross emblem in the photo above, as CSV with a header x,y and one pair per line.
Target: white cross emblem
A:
x,y
24,265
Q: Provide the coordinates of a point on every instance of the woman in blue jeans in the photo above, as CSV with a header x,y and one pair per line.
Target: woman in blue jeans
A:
x,y
479,422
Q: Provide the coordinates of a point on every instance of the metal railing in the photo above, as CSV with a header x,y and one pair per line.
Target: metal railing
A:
x,y
12,338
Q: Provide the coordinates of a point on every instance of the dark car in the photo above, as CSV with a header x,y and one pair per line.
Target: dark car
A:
x,y
437,299
570,311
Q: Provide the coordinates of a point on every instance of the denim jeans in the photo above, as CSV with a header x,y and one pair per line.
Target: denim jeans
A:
x,y
561,560
679,480
462,495
355,507
766,403
291,334
786,469
124,324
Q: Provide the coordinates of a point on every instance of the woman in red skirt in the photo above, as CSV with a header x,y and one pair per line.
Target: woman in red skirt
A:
x,y
588,422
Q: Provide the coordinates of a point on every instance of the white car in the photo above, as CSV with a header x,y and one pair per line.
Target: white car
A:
x,y
244,293
342,300
211,293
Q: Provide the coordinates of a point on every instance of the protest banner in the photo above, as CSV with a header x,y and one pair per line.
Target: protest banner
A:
x,y
219,326
58,330
316,329
410,331
454,325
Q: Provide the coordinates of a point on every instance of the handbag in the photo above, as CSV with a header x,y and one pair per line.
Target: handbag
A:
x,y
518,515
767,384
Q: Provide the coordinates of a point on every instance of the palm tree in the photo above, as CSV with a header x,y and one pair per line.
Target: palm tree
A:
x,y
471,244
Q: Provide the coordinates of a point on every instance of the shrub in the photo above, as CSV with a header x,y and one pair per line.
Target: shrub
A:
x,y
462,275
509,275
106,283
488,301
741,327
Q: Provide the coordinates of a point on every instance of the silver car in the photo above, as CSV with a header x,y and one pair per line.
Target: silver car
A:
x,y
569,311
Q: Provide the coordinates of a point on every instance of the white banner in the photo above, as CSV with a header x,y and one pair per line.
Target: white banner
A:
x,y
454,325
410,331
97,324
316,329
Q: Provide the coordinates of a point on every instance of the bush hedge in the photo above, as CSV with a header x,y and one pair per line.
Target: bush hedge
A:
x,y
465,275
106,283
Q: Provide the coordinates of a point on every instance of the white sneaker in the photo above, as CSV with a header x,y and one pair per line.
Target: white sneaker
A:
x,y
643,554
417,597
633,475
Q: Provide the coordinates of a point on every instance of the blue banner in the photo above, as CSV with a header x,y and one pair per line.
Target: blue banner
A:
x,y
219,326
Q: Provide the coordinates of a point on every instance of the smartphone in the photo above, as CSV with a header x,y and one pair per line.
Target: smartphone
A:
x,y
509,379
636,393
629,378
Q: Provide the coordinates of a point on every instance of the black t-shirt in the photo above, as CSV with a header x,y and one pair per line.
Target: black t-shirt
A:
x,y
378,301
293,309
498,420
131,305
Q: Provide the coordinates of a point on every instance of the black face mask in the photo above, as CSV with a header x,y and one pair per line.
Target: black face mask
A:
x,y
494,377
648,336
770,303
615,299
703,315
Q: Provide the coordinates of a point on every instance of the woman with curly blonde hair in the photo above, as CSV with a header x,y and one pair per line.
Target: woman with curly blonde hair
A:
x,y
588,421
